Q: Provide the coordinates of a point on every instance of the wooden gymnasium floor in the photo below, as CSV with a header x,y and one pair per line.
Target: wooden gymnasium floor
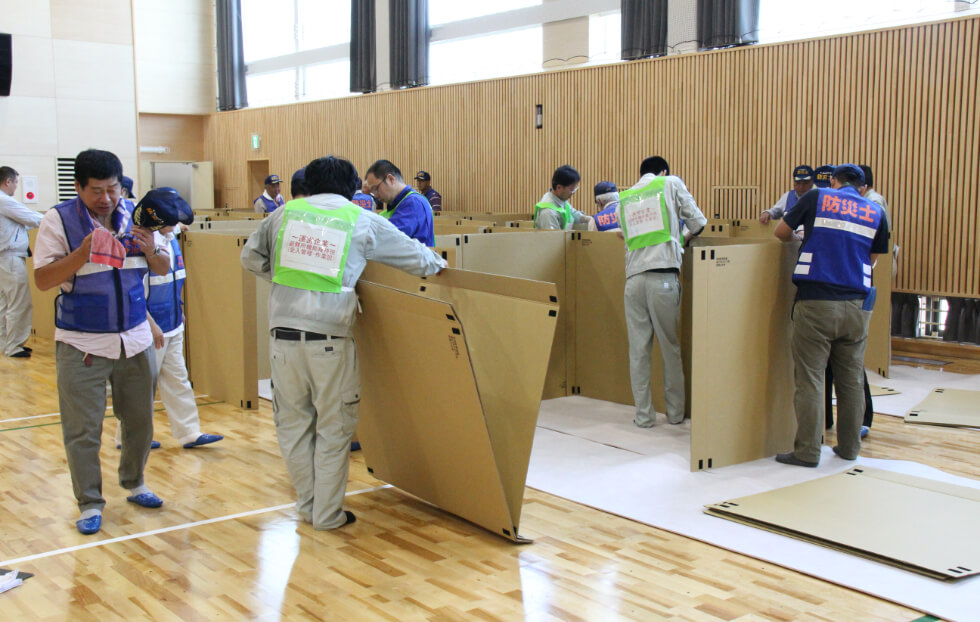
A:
x,y
227,544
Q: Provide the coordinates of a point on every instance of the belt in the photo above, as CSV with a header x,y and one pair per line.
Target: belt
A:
x,y
665,270
289,334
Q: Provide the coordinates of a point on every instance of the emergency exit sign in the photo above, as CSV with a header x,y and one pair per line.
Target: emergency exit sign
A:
x,y
256,141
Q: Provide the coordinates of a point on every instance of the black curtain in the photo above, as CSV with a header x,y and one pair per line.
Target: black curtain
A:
x,y
644,28
409,43
231,56
723,23
363,72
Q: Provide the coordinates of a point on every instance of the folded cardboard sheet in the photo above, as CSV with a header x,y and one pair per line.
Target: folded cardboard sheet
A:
x,y
452,369
873,513
949,407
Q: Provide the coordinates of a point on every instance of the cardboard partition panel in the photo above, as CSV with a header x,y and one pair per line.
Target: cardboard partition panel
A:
x,y
449,229
449,254
600,348
717,229
42,315
878,354
741,364
949,407
456,431
917,524
753,229
220,311
537,256
520,224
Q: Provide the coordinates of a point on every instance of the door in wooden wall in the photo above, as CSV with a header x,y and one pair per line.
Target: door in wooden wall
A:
x,y
258,170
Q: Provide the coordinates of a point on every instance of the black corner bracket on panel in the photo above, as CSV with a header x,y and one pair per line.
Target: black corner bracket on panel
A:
x,y
552,313
456,331
703,254
466,238
370,470
553,298
712,254
450,318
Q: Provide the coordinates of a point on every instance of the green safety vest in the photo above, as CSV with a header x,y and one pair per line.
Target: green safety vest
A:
x,y
565,211
387,213
312,245
643,215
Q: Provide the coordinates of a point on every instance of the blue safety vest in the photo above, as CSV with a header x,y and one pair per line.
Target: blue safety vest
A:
x,y
607,218
363,200
270,205
164,302
838,249
103,299
791,201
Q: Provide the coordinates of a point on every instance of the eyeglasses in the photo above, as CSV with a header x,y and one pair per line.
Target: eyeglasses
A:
x,y
374,188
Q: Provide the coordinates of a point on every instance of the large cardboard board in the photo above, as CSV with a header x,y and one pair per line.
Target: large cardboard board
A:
x,y
878,353
873,513
450,229
456,431
220,311
537,256
741,365
949,407
42,315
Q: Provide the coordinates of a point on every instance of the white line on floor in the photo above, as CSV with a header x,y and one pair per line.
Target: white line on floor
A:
x,y
71,549
57,414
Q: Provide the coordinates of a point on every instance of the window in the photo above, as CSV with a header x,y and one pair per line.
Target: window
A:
x,y
296,50
605,37
785,20
483,57
445,11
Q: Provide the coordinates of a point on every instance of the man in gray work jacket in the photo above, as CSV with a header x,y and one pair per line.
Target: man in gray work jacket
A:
x,y
314,250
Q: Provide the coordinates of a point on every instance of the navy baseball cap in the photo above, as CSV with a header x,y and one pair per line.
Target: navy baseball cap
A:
x,y
802,173
423,176
853,169
604,187
298,176
127,183
823,174
162,207
272,179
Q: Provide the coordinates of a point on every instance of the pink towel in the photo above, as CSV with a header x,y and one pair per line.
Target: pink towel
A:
x,y
106,249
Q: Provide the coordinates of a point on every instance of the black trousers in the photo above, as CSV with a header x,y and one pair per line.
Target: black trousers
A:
x,y
829,399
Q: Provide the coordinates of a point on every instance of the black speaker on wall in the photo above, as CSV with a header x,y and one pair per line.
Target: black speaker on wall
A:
x,y
6,63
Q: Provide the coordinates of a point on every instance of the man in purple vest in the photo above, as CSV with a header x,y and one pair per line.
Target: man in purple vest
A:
x,y
423,181
802,183
843,235
270,198
89,248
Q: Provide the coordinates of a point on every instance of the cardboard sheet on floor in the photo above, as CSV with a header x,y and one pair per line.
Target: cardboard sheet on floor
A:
x,y
220,336
452,369
884,507
528,255
949,407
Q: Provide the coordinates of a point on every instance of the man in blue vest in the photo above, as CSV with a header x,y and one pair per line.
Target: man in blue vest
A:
x,y
89,247
843,235
314,250
802,183
166,315
361,198
270,198
408,210
554,211
650,215
607,202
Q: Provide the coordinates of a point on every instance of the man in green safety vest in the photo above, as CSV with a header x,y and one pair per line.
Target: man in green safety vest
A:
x,y
314,250
554,211
650,215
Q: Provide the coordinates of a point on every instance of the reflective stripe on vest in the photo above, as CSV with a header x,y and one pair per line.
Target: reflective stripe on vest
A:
x,y
565,211
164,300
103,299
838,249
643,215
312,245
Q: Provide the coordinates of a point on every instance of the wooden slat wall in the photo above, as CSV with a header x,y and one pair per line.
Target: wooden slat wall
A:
x,y
902,100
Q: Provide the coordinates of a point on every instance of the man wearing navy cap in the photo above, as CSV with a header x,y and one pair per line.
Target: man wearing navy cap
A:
x,y
424,184
843,235
127,187
822,175
606,201
297,185
802,183
270,198
166,317
408,210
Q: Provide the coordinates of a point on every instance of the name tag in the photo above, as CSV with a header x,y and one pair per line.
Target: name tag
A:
x,y
644,216
312,248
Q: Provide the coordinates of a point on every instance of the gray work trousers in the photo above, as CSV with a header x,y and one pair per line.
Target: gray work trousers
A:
x,y
653,304
15,304
82,399
834,330
316,391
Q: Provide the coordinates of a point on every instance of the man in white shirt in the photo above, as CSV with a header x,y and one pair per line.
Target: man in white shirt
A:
x,y
270,199
101,333
15,291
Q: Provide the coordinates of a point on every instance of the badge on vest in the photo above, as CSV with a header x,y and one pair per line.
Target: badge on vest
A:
x,y
313,248
643,216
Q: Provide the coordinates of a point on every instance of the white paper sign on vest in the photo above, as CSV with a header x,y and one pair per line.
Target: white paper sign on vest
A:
x,y
312,248
644,216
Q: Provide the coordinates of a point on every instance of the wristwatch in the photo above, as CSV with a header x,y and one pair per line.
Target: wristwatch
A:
x,y
156,251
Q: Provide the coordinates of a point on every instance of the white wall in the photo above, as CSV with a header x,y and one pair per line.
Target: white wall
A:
x,y
175,56
73,87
